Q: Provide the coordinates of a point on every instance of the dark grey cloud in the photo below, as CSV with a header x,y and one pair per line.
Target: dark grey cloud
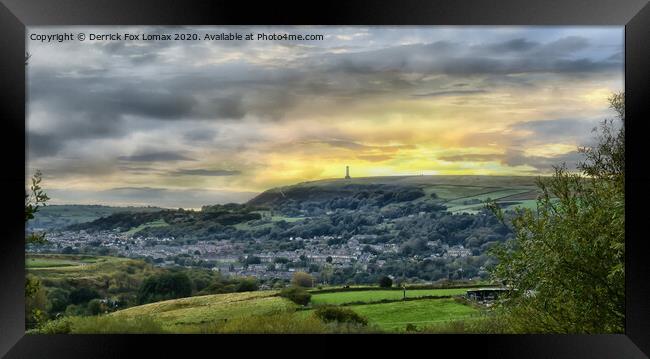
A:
x,y
206,172
41,145
559,130
514,157
515,56
514,45
200,135
449,93
540,163
537,132
155,157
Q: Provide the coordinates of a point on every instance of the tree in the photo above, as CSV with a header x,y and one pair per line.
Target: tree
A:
x,y
82,295
385,282
34,294
565,265
302,279
297,295
35,302
34,200
164,286
247,285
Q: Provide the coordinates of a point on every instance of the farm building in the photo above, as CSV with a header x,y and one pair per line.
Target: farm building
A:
x,y
485,294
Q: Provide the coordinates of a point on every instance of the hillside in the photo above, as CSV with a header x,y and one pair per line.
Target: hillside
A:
x,y
458,193
59,216
384,309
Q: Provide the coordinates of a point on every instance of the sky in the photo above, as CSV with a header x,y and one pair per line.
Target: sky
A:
x,y
189,123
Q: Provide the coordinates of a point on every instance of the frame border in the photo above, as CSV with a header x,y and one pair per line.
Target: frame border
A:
x,y
634,14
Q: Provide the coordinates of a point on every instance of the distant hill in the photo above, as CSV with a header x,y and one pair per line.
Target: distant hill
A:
x,y
60,216
304,209
458,192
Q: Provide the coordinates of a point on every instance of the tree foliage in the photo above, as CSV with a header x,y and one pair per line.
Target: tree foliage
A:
x,y
164,286
385,282
565,265
35,199
302,279
297,295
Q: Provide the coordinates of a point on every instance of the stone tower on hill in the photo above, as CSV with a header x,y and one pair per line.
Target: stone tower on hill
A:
x,y
347,172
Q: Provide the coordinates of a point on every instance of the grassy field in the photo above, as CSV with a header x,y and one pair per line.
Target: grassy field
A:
x,y
156,223
58,216
268,221
265,311
186,314
370,296
395,316
42,264
33,263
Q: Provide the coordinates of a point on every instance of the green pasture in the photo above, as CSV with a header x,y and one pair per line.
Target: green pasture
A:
x,y
156,223
187,313
396,315
370,296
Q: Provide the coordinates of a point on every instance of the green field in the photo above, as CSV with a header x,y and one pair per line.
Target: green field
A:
x,y
370,296
395,316
59,216
191,314
31,263
46,264
156,223
185,313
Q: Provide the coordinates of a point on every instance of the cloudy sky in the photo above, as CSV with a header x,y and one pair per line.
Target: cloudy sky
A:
x,y
186,123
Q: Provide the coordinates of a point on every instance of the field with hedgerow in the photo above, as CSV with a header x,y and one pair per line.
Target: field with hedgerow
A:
x,y
343,311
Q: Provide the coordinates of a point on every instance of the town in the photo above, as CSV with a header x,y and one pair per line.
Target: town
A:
x,y
232,258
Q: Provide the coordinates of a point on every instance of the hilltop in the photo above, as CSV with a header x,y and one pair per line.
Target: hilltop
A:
x,y
461,193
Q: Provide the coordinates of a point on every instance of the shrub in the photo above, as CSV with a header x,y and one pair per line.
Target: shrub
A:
x,y
410,327
385,282
284,322
58,326
96,307
302,279
82,295
297,295
341,315
57,300
164,286
107,324
247,285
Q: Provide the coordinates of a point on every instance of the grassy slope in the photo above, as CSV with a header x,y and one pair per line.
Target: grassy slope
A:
x,y
108,275
156,223
337,298
179,314
193,313
44,264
